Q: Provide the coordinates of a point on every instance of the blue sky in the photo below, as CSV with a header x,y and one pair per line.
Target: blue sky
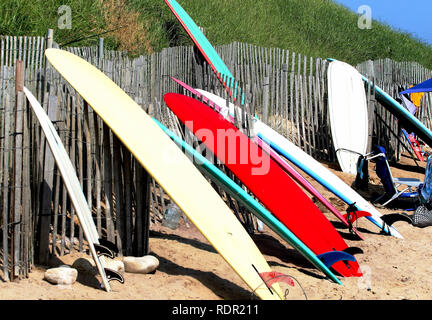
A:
x,y
413,16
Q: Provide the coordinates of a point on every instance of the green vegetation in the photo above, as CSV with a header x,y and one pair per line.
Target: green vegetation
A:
x,y
318,28
34,18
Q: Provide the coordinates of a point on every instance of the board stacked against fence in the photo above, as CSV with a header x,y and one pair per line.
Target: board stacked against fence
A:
x,y
265,179
170,168
98,247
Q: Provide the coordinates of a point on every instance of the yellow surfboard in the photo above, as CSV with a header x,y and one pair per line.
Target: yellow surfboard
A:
x,y
166,163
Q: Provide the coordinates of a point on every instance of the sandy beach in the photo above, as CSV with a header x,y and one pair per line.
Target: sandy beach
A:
x,y
190,269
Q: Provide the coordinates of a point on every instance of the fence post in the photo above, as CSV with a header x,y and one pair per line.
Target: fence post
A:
x,y
17,170
49,44
371,103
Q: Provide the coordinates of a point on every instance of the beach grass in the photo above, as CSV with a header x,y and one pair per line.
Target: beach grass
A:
x,y
317,28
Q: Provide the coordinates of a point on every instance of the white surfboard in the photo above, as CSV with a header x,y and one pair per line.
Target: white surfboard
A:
x,y
348,114
308,164
75,192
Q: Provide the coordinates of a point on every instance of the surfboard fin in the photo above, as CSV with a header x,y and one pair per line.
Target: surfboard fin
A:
x,y
113,275
109,245
102,250
331,257
391,218
353,250
272,277
352,215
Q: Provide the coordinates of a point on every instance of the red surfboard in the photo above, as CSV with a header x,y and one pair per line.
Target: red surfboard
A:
x,y
264,178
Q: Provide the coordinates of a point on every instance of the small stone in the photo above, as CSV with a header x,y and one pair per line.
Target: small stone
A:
x,y
63,275
146,264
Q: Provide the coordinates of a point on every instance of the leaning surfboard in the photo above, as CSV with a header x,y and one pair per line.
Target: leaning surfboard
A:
x,y
310,166
321,174
97,247
224,182
205,47
199,39
348,114
264,178
415,146
215,102
169,167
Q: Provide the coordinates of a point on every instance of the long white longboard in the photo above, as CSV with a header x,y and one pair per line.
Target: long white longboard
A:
x,y
79,202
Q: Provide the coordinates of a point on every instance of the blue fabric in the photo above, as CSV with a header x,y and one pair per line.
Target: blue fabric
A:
x,y
426,190
409,105
425,86
412,194
383,173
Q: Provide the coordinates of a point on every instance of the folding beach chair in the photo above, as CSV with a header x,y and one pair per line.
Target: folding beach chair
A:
x,y
391,185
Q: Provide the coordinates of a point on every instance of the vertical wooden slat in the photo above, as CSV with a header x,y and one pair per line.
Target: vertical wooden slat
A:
x,y
6,146
47,188
26,196
108,183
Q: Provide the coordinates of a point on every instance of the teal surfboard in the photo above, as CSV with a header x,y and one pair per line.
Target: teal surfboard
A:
x,y
223,181
198,38
400,112
209,53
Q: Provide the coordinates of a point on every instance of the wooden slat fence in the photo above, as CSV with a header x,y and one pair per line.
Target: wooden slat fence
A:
x,y
285,89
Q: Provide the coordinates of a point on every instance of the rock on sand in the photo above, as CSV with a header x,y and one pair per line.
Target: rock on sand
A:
x,y
63,275
144,264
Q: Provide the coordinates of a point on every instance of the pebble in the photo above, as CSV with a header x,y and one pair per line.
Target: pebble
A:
x,y
63,275
146,264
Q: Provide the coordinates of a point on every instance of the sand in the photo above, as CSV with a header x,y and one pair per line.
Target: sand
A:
x,y
190,269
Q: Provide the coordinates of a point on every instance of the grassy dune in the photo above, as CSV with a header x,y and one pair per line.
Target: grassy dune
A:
x,y
318,28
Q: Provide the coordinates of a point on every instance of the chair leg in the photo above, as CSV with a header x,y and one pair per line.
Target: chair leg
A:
x,y
391,199
387,202
379,198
